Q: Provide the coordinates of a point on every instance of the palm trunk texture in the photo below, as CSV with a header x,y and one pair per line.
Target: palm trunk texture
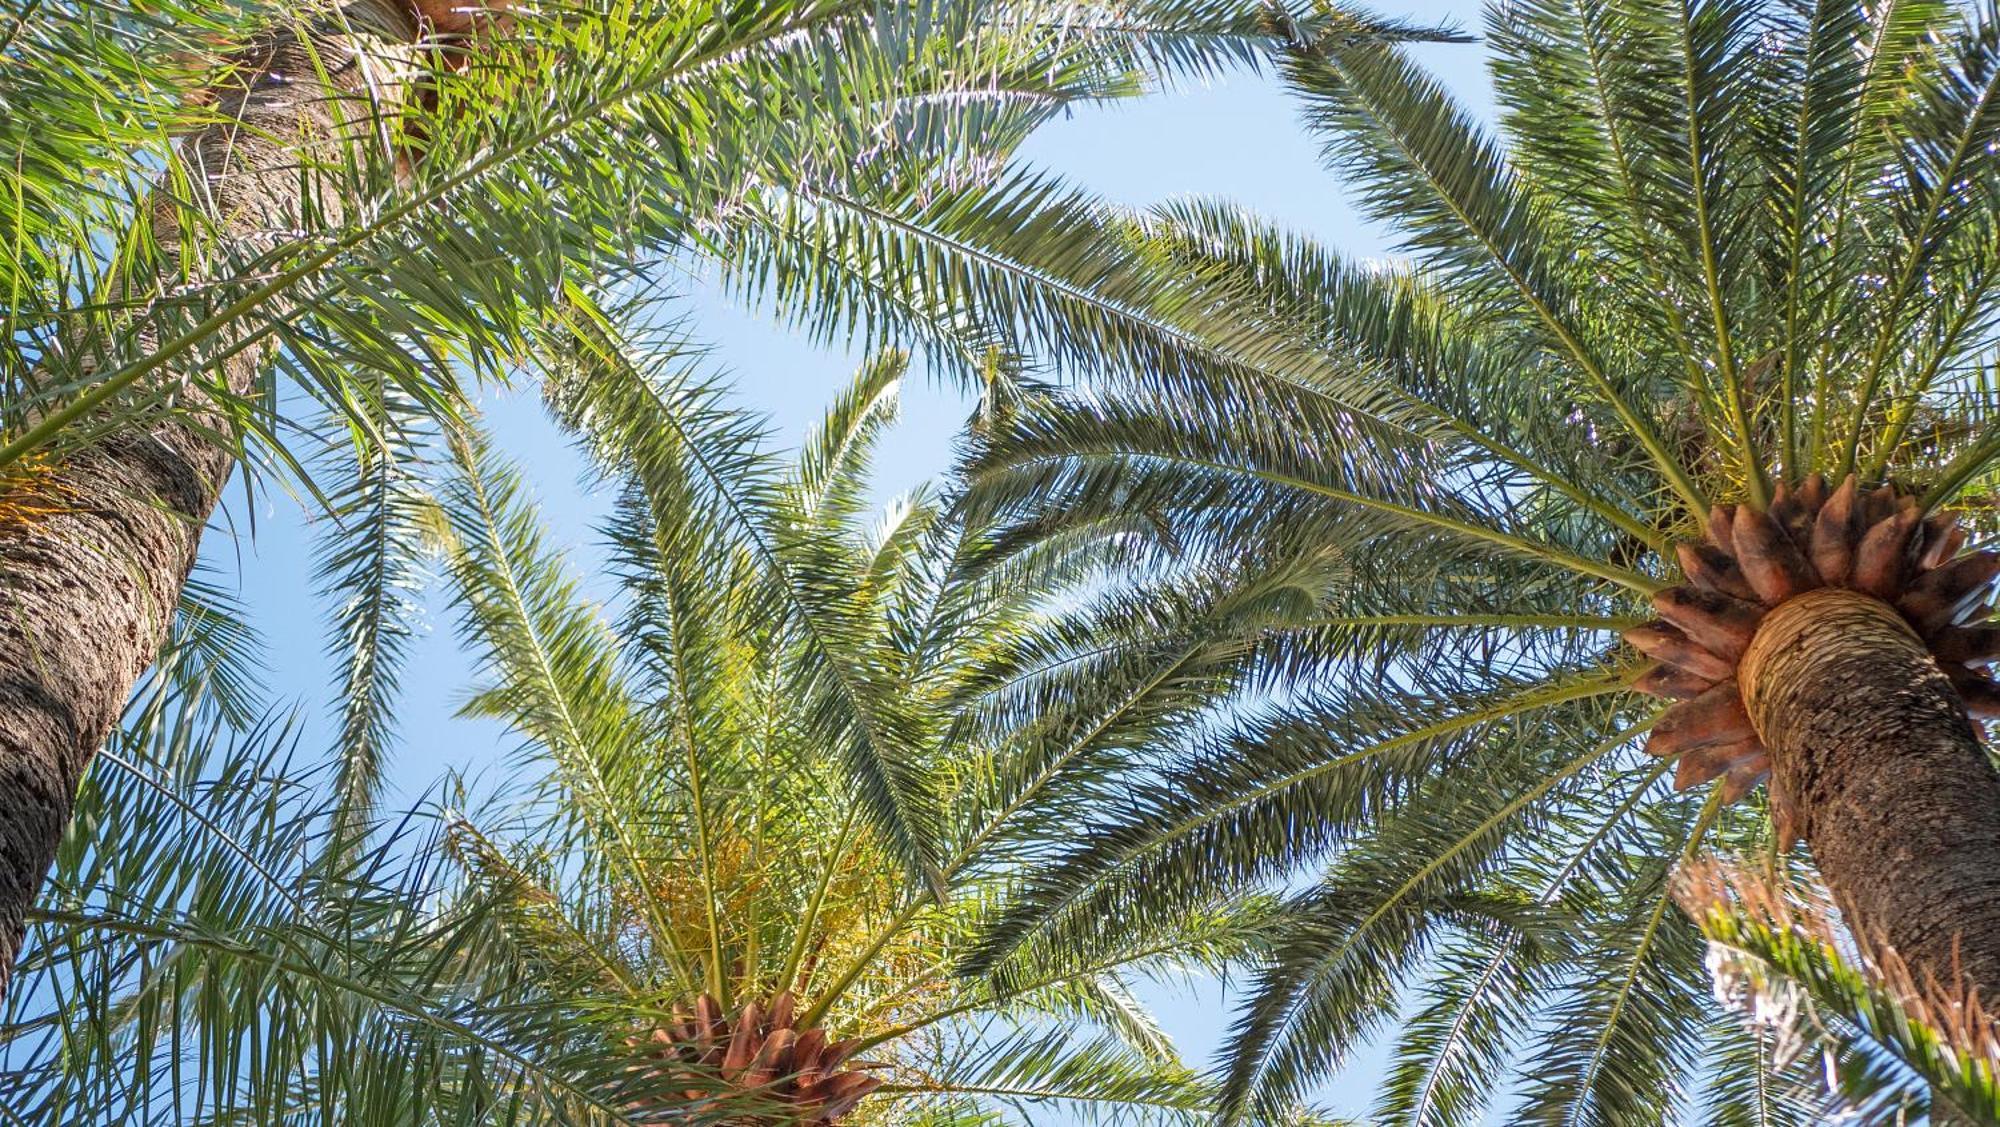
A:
x,y
1834,643
1887,780
89,583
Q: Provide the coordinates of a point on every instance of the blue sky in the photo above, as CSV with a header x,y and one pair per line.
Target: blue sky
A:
x,y
1239,140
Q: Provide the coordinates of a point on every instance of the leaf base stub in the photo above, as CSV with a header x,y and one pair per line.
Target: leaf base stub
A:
x,y
1874,543
781,1074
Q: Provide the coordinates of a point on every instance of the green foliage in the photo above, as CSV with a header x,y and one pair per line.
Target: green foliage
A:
x,y
1713,245
1891,1045
772,773
211,949
821,734
592,143
231,938
225,939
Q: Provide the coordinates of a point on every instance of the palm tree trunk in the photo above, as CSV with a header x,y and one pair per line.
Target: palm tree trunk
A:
x,y
90,581
1874,758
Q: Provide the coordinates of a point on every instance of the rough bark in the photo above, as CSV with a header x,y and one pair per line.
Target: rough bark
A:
x,y
1873,755
88,587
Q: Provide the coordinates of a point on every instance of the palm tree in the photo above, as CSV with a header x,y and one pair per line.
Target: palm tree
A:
x,y
752,830
379,200
766,813
1682,392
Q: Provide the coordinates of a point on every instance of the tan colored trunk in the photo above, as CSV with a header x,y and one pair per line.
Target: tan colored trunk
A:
x,y
1872,751
88,591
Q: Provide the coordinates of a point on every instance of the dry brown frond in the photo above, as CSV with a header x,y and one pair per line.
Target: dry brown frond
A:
x,y
1785,905
1875,542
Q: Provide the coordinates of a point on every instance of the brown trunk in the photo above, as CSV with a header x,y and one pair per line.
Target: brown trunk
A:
x,y
88,588
1873,755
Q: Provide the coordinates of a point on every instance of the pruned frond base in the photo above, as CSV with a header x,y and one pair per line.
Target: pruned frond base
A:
x,y
757,1058
1875,543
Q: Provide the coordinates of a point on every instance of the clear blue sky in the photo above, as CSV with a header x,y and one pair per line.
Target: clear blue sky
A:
x,y
1239,140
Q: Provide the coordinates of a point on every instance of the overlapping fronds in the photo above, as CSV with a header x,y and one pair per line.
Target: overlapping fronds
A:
x,y
707,840
1364,536
1888,1042
775,670
478,182
211,950
571,141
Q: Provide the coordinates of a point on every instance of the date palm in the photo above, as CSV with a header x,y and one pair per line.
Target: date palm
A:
x,y
375,199
765,797
1682,392
766,812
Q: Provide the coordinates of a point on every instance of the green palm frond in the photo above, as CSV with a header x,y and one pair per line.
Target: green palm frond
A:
x,y
833,463
1369,525
556,676
1888,1043
372,563
1046,1072
1423,161
210,950
212,656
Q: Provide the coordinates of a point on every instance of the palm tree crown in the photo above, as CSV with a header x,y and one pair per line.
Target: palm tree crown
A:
x,y
1383,526
759,818
771,808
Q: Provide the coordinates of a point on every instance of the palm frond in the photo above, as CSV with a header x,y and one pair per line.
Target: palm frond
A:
x,y
371,560
1777,954
201,954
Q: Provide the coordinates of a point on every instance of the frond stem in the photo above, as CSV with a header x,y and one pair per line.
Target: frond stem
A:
x,y
1641,584
1732,382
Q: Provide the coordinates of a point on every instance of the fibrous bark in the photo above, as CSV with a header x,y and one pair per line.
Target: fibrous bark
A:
x,y
1834,643
1886,779
89,582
